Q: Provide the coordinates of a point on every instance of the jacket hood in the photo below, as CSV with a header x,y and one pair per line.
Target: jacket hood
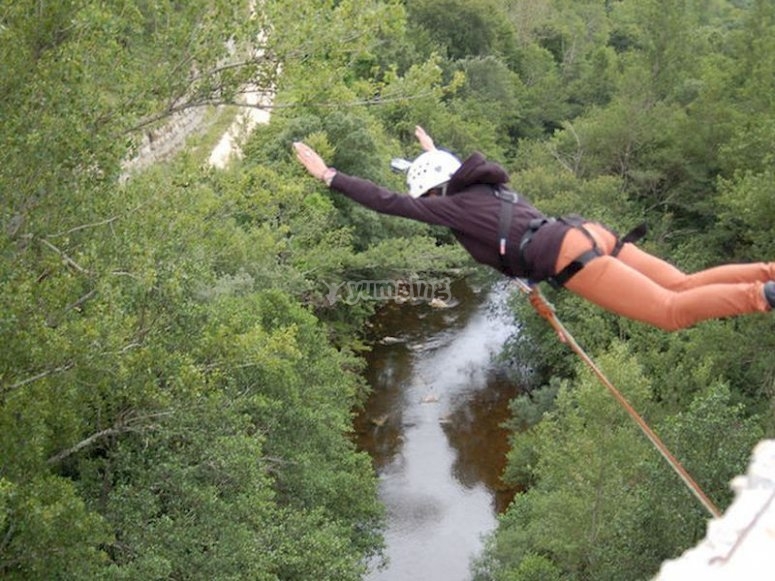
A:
x,y
476,170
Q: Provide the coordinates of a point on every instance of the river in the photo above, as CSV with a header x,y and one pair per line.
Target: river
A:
x,y
433,428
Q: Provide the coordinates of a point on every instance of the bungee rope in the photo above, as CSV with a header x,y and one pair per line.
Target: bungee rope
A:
x,y
543,308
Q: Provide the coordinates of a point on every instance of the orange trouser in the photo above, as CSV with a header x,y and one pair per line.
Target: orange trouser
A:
x,y
639,286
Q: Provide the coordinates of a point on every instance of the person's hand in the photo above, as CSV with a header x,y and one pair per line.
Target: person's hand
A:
x,y
310,160
425,140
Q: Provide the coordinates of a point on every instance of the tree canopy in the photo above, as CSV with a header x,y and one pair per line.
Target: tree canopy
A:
x,y
176,385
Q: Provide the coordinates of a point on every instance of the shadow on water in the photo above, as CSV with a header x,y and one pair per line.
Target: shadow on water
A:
x,y
432,426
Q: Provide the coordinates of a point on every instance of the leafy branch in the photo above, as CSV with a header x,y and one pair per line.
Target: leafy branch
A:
x,y
37,377
125,424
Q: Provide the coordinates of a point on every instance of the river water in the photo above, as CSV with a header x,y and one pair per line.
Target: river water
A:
x,y
433,428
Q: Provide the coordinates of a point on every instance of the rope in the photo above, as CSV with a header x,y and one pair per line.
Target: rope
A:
x,y
542,306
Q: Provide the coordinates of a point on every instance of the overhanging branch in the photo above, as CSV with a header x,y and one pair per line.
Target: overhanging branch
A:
x,y
34,378
122,426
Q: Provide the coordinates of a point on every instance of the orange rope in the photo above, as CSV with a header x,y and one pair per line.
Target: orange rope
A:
x,y
542,306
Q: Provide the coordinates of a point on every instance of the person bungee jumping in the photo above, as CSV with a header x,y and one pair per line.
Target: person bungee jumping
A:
x,y
501,229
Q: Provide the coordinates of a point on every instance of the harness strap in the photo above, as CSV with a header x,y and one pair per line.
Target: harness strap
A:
x,y
631,237
533,227
508,200
504,225
558,280
561,278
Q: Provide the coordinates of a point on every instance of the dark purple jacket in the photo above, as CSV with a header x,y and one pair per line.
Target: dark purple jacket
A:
x,y
471,210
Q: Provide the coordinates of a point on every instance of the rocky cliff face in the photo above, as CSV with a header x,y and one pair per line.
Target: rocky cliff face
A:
x,y
168,139
161,142
256,112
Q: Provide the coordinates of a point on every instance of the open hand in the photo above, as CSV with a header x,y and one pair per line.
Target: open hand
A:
x,y
425,140
310,160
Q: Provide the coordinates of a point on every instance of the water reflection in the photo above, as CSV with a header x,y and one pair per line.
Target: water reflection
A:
x,y
474,431
432,426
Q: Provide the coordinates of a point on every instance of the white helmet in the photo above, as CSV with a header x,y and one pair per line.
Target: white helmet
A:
x,y
430,170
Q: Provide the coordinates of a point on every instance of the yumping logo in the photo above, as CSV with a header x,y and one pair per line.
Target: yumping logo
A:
x,y
350,292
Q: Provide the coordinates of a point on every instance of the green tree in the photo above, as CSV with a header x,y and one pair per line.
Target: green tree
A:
x,y
464,29
586,468
160,416
599,493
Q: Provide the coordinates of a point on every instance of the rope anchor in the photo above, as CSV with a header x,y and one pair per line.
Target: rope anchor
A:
x,y
543,308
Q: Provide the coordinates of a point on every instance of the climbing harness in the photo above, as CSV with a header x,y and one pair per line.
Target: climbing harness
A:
x,y
542,306
559,279
575,265
510,198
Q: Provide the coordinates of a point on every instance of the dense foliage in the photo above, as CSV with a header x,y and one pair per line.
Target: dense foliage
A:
x,y
176,385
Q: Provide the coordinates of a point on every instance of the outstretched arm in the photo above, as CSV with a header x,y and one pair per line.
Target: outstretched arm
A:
x,y
438,211
425,140
317,168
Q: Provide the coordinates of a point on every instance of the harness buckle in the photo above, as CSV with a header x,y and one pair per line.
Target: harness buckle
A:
x,y
506,194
